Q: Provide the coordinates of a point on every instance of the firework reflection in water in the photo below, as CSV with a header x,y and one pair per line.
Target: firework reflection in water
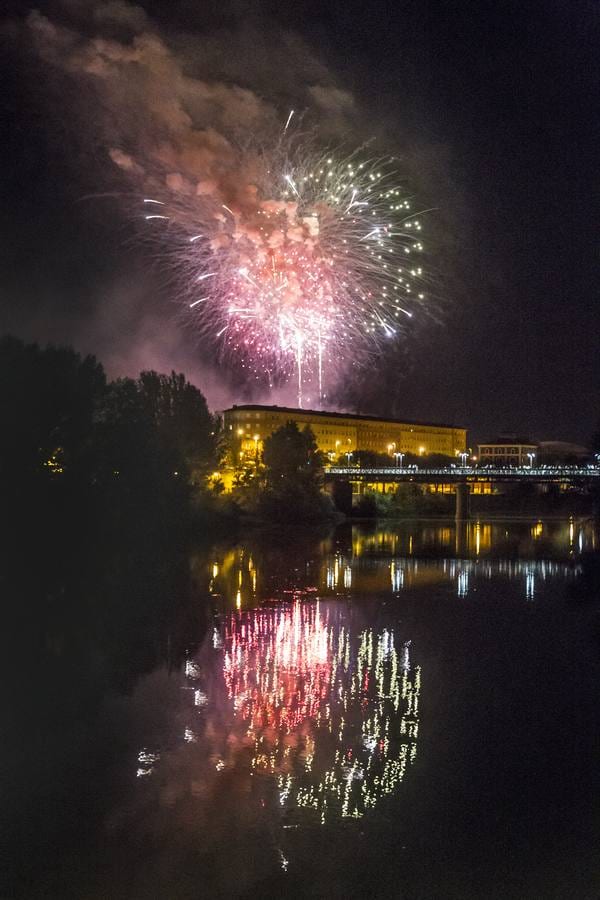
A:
x,y
332,715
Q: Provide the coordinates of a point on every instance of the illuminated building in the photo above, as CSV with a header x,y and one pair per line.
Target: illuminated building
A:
x,y
339,433
508,450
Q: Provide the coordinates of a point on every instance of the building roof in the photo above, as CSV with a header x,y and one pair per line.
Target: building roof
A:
x,y
505,441
255,407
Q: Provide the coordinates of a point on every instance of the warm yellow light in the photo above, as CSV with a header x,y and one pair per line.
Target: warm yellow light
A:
x,y
240,431
421,450
257,437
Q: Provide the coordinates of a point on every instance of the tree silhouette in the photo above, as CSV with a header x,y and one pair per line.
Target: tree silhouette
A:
x,y
292,454
47,402
185,427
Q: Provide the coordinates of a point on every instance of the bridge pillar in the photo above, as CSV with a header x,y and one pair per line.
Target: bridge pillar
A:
x,y
462,501
461,538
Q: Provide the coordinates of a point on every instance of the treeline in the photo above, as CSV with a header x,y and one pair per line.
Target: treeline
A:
x,y
70,433
78,447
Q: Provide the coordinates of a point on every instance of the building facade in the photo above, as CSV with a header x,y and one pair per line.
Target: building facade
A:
x,y
508,451
338,433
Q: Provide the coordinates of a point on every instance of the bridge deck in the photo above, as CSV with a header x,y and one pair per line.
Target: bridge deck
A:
x,y
453,474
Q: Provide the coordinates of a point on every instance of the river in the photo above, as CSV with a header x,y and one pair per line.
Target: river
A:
x,y
404,710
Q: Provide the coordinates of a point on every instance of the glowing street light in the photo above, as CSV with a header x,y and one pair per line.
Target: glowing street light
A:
x,y
256,439
463,458
531,458
400,456
349,455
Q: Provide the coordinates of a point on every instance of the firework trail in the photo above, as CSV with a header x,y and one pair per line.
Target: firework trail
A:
x,y
289,261
312,261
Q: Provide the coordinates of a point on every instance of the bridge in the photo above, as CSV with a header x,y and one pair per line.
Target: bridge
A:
x,y
463,476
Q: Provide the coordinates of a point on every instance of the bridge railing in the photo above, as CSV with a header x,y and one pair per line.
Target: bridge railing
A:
x,y
481,472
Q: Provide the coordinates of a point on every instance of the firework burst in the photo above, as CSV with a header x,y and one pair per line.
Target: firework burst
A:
x,y
294,261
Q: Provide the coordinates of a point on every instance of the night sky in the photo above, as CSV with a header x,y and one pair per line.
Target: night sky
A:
x,y
492,111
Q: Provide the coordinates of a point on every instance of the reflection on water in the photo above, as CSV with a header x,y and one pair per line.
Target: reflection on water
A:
x,y
314,708
409,556
327,708
307,702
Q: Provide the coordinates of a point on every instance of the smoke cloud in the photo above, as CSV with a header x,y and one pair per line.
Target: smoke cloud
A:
x,y
179,117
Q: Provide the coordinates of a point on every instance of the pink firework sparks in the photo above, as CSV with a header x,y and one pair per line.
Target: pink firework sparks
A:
x,y
293,261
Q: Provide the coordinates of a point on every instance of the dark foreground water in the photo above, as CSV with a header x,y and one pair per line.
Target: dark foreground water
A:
x,y
404,711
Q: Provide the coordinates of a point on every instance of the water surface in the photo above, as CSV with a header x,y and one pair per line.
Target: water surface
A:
x,y
406,710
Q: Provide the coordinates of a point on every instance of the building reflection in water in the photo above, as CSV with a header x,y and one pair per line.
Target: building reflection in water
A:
x,y
408,558
330,712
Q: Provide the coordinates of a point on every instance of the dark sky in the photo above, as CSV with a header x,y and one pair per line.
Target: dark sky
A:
x,y
492,109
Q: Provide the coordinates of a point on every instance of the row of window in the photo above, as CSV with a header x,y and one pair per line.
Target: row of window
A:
x,y
506,451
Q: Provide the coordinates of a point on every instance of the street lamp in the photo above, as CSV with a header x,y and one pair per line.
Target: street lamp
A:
x,y
531,458
400,456
463,458
349,455
256,439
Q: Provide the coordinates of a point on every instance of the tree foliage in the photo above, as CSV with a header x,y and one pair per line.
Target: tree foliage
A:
x,y
292,454
183,422
293,476
47,403
62,423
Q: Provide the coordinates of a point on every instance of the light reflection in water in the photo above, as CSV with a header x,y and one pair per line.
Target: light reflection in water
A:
x,y
301,707
303,704
462,583
371,561
331,713
397,575
530,583
340,575
319,710
277,665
